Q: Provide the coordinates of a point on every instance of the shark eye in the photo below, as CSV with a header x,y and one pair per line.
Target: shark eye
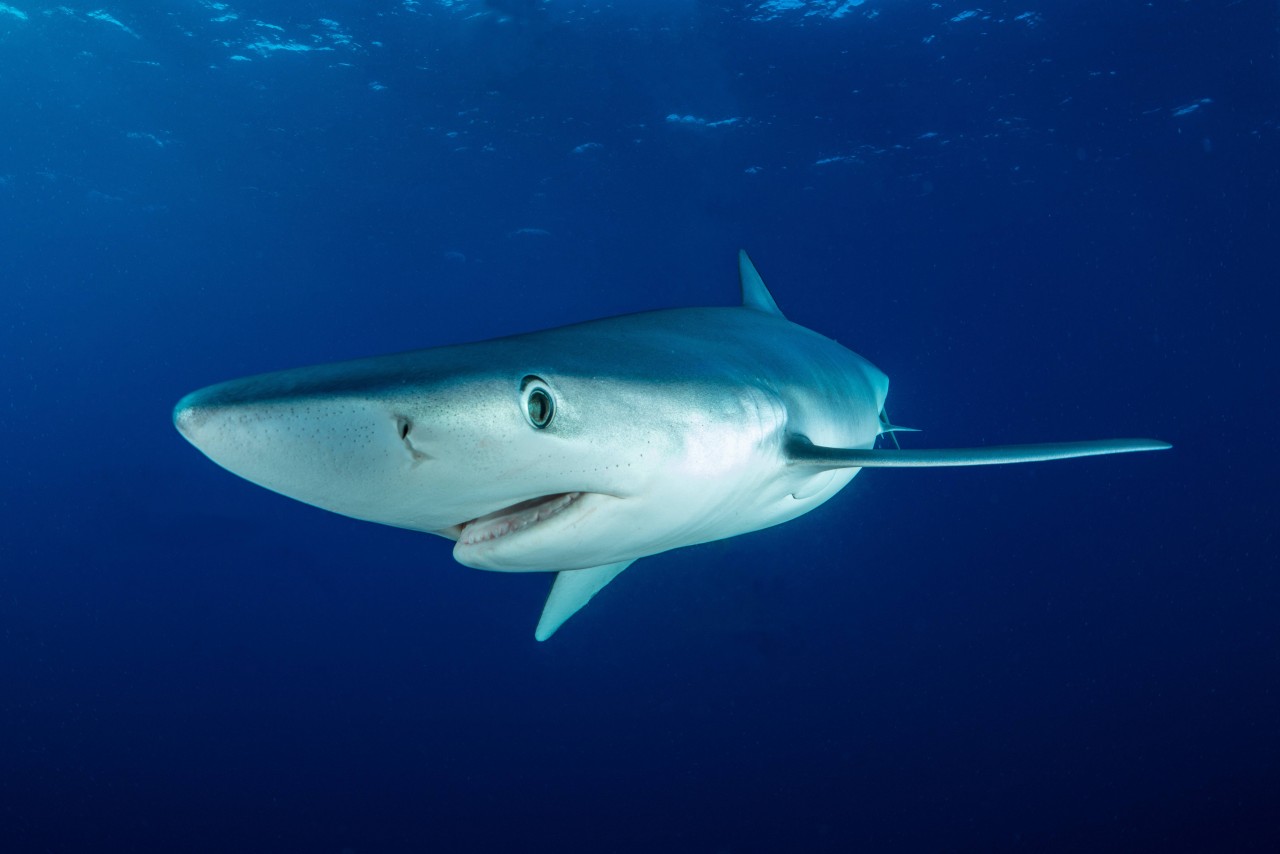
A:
x,y
539,405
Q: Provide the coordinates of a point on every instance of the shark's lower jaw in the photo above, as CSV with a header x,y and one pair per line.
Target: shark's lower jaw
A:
x,y
516,518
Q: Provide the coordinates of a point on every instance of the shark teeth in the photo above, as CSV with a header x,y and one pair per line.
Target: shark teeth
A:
x,y
517,517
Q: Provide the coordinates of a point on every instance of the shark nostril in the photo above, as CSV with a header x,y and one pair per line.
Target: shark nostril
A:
x,y
404,426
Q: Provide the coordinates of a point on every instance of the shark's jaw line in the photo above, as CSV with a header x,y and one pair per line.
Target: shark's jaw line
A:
x,y
514,519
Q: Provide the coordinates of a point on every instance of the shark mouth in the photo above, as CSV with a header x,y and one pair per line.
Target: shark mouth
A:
x,y
517,517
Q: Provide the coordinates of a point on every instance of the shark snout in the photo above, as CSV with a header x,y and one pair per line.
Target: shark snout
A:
x,y
221,421
189,415
233,411
338,451
199,414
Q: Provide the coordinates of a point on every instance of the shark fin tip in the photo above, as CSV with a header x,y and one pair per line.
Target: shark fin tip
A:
x,y
754,293
571,590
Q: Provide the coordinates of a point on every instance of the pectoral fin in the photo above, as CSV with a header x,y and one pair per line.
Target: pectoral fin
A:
x,y
572,589
802,452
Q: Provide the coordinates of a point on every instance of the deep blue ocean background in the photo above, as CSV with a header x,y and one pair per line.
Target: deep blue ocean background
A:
x,y
1043,221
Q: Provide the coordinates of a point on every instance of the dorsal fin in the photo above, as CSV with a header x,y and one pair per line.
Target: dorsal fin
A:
x,y
754,293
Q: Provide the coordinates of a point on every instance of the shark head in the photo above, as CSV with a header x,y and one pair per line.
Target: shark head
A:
x,y
528,453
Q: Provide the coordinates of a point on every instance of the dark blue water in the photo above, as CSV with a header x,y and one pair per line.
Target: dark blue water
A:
x,y
1053,225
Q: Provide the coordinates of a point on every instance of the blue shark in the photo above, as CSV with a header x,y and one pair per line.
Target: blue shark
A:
x,y
581,449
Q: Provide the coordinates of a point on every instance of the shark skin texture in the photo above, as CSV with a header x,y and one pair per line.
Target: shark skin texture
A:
x,y
580,449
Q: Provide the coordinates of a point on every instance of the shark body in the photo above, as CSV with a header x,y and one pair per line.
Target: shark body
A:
x,y
581,449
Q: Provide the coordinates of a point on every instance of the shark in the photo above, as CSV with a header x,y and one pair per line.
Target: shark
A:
x,y
581,449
